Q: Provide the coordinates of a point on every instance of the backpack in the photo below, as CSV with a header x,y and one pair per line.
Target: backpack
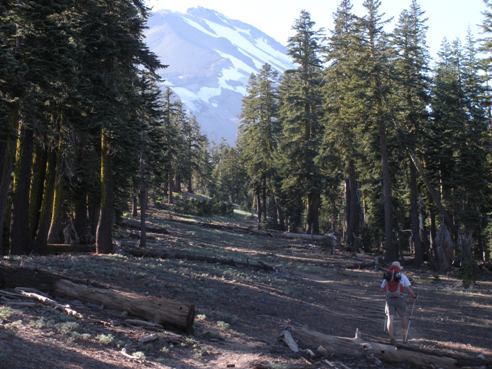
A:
x,y
393,286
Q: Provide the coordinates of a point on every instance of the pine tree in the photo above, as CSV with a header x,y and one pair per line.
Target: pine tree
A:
x,y
377,68
343,113
258,139
300,114
410,100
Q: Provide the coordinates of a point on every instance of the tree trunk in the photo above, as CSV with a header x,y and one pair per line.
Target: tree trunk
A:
x,y
313,213
444,248
281,215
259,208
93,210
80,217
20,234
352,208
433,193
56,225
104,243
134,205
433,232
414,216
155,309
170,189
389,246
190,183
264,202
37,188
143,213
8,160
177,184
41,239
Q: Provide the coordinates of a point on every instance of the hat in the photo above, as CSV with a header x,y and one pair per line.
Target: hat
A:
x,y
396,264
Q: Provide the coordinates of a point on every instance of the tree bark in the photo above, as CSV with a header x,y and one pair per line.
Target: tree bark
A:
x,y
433,232
259,208
134,205
143,213
177,183
80,218
190,183
8,160
104,243
41,238
20,234
37,188
313,213
170,189
389,245
352,208
93,211
57,214
414,216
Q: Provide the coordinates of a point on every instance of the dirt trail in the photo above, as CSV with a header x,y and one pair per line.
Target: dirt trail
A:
x,y
241,311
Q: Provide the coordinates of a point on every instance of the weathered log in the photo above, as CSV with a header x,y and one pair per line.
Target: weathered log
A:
x,y
155,309
134,224
168,254
357,347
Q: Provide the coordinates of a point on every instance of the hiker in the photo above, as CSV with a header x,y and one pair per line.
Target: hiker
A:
x,y
394,284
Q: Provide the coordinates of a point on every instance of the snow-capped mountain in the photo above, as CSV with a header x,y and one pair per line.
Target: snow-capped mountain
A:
x,y
211,58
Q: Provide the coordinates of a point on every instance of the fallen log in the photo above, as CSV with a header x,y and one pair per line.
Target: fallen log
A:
x,y
62,248
154,309
168,254
357,347
134,224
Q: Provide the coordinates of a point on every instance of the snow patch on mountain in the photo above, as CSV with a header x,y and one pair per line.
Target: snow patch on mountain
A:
x,y
211,58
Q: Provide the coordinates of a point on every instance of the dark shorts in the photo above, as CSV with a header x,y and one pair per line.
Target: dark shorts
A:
x,y
396,305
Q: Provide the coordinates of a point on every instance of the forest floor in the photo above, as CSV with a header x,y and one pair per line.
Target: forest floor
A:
x,y
240,311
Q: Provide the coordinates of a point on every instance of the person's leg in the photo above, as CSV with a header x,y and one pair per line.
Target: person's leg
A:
x,y
390,316
404,323
402,313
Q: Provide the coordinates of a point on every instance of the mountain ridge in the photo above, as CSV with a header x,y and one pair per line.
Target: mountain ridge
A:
x,y
211,58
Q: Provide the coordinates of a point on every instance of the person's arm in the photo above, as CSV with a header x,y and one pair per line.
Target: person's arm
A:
x,y
407,285
383,285
411,292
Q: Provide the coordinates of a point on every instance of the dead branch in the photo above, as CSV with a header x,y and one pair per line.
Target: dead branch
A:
x,y
291,343
49,302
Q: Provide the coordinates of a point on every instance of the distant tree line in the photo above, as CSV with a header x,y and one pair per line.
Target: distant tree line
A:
x,y
366,140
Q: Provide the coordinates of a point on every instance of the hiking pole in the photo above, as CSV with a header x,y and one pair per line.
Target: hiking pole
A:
x,y
410,318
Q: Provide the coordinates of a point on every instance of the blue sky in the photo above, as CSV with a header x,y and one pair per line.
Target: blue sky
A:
x,y
447,18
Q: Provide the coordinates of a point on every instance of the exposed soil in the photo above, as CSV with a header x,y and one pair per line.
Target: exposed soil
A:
x,y
241,311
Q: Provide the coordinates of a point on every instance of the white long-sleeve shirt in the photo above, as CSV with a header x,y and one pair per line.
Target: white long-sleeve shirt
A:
x,y
405,282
